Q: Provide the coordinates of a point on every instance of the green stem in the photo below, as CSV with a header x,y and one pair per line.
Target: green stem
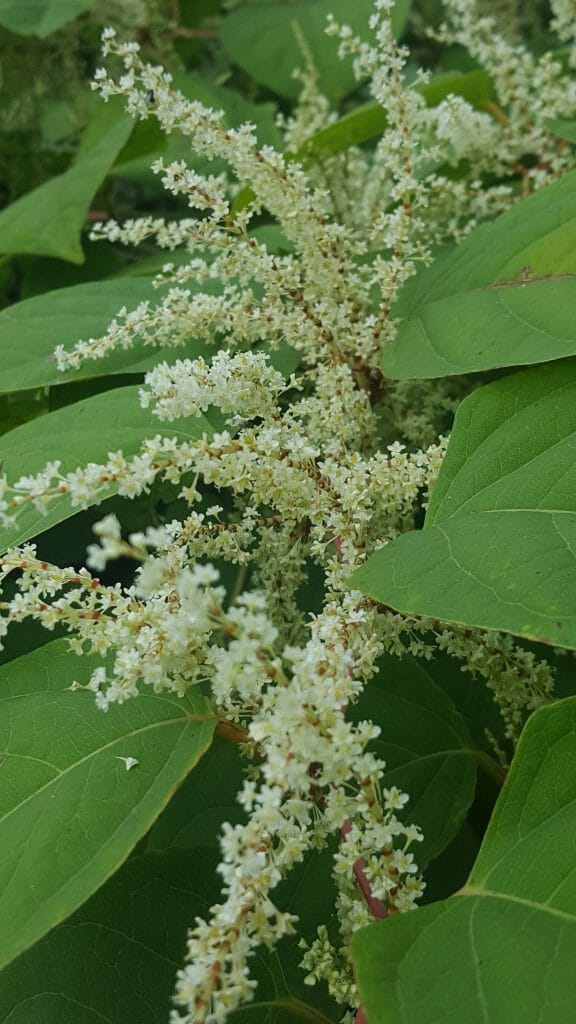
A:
x,y
239,583
494,770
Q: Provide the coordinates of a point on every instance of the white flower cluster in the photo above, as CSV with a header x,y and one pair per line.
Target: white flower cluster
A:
x,y
308,475
529,90
564,24
244,385
316,779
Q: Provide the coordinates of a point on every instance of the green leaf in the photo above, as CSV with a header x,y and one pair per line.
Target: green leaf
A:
x,y
503,948
31,330
78,434
41,274
70,811
499,546
536,238
477,706
48,221
512,325
427,748
40,17
268,46
206,799
562,127
116,959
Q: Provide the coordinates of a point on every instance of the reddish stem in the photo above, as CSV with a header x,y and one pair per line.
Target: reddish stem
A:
x,y
375,906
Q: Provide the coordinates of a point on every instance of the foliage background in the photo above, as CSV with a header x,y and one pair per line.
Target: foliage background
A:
x,y
99,933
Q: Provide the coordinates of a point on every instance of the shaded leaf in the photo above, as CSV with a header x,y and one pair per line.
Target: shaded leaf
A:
x,y
268,47
41,274
40,17
427,748
117,957
206,799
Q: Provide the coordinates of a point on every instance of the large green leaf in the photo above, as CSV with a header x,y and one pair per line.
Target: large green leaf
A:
x,y
78,434
503,948
40,17
70,811
512,325
498,549
31,330
268,46
426,746
48,221
449,307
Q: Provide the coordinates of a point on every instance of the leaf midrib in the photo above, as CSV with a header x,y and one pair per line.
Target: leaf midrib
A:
x,y
94,753
470,890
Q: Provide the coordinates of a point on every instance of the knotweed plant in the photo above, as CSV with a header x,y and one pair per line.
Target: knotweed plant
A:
x,y
314,468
